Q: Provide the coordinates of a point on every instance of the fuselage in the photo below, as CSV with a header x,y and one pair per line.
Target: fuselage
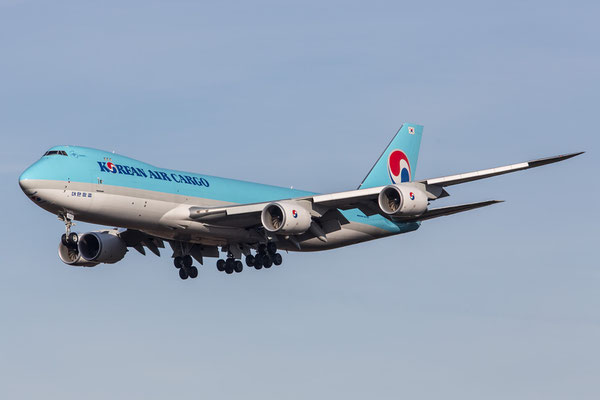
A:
x,y
104,188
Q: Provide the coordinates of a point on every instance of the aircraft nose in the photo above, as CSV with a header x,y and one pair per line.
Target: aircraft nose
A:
x,y
25,185
26,180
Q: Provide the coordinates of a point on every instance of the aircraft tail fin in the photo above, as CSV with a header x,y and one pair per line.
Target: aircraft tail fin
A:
x,y
398,162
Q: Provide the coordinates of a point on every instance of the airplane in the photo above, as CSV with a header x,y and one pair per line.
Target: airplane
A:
x,y
202,216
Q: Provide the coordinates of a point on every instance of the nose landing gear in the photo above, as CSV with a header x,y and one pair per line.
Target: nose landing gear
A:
x,y
69,239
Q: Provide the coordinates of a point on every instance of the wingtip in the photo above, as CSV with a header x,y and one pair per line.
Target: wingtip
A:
x,y
551,160
563,157
573,154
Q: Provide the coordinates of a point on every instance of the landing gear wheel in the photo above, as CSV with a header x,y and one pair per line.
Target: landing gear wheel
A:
x,y
258,261
262,248
183,273
193,272
229,265
187,261
267,262
238,267
250,260
63,239
73,238
178,262
221,265
271,248
277,259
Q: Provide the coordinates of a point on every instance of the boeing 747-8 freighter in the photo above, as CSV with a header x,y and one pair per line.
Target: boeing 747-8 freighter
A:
x,y
202,216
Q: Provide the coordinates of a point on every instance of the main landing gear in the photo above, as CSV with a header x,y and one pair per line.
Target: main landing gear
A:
x,y
230,265
266,256
186,269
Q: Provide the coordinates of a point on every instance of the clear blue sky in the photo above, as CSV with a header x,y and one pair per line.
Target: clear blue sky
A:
x,y
497,303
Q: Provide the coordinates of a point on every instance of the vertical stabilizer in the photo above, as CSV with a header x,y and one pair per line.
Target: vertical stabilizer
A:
x,y
398,162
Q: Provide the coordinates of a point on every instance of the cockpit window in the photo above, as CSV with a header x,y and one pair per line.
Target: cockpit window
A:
x,y
55,152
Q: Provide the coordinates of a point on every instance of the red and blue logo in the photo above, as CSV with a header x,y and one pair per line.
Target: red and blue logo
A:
x,y
399,167
294,213
111,167
411,195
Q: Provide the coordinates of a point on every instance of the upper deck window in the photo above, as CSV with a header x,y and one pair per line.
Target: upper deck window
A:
x,y
55,152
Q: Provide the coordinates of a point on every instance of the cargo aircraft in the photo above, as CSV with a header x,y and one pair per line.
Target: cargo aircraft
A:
x,y
202,216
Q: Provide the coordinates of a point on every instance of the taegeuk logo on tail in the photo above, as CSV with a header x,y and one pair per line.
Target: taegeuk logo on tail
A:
x,y
399,167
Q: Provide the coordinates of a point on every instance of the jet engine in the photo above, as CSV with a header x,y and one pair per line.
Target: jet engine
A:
x,y
101,247
69,254
402,201
286,218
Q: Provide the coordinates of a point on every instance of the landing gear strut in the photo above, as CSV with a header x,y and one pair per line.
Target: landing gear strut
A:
x,y
69,239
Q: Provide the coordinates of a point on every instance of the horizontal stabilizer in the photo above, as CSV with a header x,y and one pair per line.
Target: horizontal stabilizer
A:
x,y
442,211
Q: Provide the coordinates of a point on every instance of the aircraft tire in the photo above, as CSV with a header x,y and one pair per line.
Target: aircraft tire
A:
x,y
183,273
250,260
187,261
178,262
193,272
64,239
258,261
73,239
221,265
267,262
229,264
271,248
277,259
238,266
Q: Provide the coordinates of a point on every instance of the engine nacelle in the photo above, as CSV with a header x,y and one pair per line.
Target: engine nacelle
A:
x,y
101,247
70,256
402,201
286,217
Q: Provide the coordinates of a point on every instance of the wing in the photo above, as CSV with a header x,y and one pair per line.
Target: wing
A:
x,y
488,173
325,207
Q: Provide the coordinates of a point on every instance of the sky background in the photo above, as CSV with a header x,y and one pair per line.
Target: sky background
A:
x,y
496,303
